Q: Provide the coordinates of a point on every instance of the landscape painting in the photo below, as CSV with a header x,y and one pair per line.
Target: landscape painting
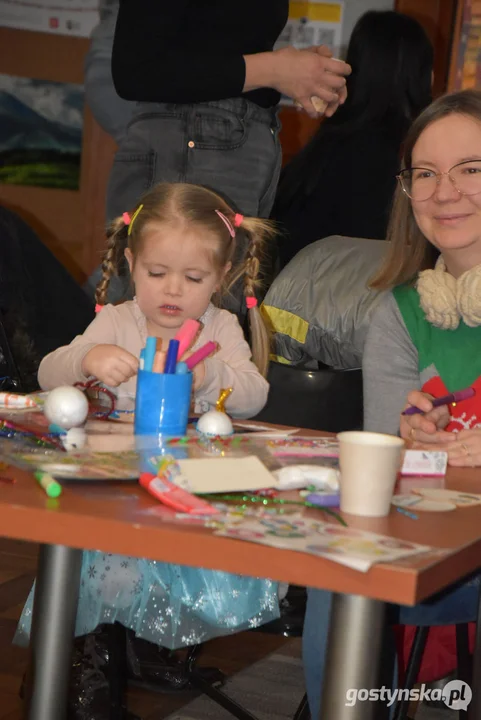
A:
x,y
40,132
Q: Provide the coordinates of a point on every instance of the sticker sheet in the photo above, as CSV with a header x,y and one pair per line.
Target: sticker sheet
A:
x,y
354,548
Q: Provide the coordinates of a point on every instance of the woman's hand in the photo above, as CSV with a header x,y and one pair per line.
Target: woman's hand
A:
x,y
465,450
331,108
301,75
426,427
110,364
304,74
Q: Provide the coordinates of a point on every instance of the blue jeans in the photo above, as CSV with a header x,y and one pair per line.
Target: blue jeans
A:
x,y
231,146
459,605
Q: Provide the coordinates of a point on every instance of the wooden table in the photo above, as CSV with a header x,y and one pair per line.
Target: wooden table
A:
x,y
111,518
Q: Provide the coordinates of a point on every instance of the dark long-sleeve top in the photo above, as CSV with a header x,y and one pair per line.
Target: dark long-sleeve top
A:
x,y
353,196
188,51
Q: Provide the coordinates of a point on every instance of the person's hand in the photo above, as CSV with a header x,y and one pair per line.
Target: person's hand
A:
x,y
465,450
198,375
311,73
110,364
331,108
426,427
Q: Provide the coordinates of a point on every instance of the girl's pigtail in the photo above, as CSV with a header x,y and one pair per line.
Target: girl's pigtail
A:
x,y
258,232
117,242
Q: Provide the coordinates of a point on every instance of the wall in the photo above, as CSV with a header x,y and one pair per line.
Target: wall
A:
x,y
438,19
57,215
353,9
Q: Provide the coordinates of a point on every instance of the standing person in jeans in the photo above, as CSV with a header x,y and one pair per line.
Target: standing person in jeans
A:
x,y
207,83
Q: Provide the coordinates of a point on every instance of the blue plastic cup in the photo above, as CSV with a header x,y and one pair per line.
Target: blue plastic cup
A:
x,y
162,403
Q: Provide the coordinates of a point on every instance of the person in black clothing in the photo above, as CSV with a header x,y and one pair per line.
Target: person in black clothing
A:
x,y
342,182
41,306
207,82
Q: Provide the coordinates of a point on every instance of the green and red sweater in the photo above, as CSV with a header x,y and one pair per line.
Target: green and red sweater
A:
x,y
449,360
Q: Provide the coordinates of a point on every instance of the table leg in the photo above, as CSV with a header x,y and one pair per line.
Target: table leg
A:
x,y
53,625
354,649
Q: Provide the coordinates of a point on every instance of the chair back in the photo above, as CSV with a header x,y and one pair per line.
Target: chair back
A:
x,y
322,399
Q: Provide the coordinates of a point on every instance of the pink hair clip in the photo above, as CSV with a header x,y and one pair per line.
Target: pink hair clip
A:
x,y
238,218
126,218
98,308
251,302
227,223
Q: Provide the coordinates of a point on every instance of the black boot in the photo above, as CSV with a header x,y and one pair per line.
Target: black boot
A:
x,y
89,696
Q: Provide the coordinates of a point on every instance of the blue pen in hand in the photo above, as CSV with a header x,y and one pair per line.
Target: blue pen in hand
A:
x,y
171,359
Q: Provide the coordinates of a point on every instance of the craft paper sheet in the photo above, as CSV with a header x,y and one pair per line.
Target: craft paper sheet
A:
x,y
223,475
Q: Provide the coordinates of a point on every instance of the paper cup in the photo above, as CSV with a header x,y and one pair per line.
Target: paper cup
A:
x,y
369,465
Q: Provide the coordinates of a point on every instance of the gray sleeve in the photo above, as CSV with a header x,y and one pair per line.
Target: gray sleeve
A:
x,y
111,112
390,368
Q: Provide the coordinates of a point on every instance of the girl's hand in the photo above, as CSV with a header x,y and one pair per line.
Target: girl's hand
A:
x,y
303,74
110,364
465,450
199,374
427,427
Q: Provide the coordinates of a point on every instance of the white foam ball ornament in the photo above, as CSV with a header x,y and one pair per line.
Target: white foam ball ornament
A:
x,y
66,406
74,439
215,423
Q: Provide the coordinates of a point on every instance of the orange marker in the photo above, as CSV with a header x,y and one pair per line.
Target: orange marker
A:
x,y
159,362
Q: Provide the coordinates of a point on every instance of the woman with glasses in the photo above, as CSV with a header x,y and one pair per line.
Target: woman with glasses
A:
x,y
343,181
425,340
425,337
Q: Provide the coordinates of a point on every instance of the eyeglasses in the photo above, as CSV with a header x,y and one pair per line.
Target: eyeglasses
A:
x,y
420,183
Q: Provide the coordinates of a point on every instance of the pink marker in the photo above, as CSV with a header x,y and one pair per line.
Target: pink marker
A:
x,y
201,354
186,336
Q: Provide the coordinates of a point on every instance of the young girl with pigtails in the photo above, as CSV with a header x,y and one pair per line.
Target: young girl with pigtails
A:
x,y
179,244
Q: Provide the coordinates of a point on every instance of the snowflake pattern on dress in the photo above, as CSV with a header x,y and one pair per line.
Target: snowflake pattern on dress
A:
x,y
170,605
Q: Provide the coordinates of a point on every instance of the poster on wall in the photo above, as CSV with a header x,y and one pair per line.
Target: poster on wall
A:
x,y
312,22
62,17
468,60
40,132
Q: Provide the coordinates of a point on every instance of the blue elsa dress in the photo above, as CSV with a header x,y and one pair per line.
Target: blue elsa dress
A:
x,y
171,605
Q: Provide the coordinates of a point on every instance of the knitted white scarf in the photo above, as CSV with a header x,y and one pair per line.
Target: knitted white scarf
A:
x,y
445,299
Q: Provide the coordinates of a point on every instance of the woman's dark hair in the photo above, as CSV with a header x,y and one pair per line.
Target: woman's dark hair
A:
x,y
392,61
